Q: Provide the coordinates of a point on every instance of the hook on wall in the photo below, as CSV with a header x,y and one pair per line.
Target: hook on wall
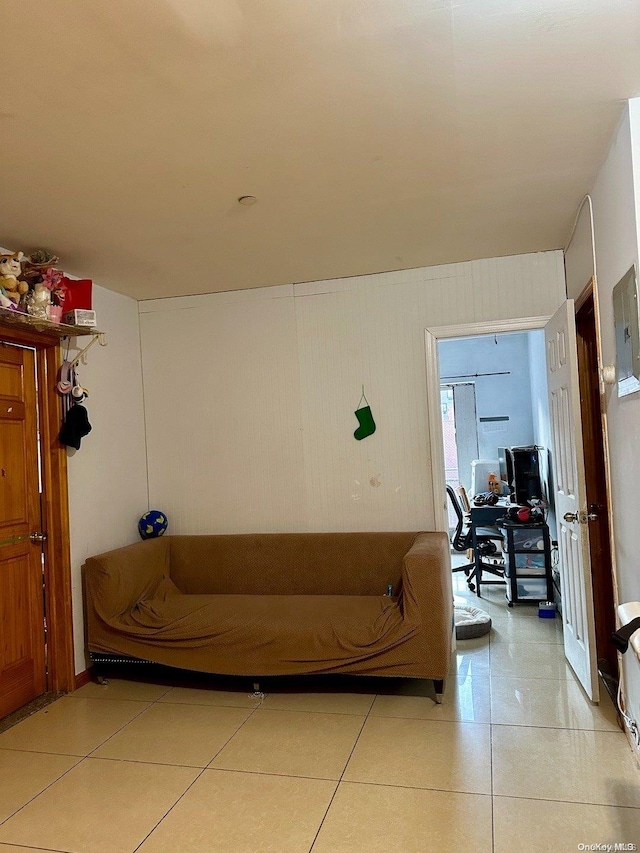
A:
x,y
100,338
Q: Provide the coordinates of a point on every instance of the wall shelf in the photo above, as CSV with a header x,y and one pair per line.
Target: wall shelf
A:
x,y
15,319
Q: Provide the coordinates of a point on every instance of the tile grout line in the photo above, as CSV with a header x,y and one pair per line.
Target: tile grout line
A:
x,y
241,726
371,784
73,695
559,728
42,752
567,802
437,720
80,758
198,776
46,788
344,769
22,847
113,734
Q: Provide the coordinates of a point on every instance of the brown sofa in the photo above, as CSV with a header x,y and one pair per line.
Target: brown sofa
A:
x,y
277,604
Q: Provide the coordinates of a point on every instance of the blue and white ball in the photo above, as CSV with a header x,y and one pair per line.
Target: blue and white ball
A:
x,y
152,524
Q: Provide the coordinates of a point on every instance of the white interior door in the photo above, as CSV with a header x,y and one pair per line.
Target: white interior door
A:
x,y
571,498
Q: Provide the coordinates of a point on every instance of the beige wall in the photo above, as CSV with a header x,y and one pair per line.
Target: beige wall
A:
x,y
250,395
616,249
107,476
579,261
223,411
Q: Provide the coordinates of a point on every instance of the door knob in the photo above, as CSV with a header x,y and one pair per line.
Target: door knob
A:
x,y
38,537
581,517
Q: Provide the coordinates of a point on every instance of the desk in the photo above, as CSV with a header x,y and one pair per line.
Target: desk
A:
x,y
484,517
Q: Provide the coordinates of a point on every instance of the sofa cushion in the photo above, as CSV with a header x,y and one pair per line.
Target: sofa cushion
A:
x,y
289,563
270,633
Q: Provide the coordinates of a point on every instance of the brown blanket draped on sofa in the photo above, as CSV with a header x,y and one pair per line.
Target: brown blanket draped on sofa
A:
x,y
277,604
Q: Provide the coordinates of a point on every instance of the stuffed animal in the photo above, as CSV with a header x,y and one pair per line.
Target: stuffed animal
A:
x,y
5,302
10,269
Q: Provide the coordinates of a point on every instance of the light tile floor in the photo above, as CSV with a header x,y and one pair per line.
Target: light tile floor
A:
x,y
515,759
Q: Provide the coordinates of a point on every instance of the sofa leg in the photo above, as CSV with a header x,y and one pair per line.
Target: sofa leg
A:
x,y
257,693
438,686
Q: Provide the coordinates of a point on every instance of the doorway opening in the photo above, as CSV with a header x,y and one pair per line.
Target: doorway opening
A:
x,y
36,634
494,396
579,397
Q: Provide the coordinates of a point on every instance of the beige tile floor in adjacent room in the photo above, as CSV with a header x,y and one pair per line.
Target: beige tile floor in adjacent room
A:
x,y
515,759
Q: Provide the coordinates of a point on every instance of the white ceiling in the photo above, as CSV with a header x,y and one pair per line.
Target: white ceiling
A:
x,y
376,134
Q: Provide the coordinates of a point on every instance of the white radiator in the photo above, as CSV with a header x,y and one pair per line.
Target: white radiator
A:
x,y
626,613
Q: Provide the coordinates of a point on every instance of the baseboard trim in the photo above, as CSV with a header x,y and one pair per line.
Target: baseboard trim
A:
x,y
83,678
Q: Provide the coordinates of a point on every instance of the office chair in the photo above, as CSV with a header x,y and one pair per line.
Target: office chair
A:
x,y
462,541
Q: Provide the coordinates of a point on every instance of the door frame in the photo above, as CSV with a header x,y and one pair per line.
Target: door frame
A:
x,y
432,335
55,508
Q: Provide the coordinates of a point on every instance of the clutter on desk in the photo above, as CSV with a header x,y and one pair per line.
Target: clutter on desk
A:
x,y
525,515
485,499
533,512
494,484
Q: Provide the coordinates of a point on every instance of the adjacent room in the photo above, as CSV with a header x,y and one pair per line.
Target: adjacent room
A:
x,y
494,395
319,411
495,412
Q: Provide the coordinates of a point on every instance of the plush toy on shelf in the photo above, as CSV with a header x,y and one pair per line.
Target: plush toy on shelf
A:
x,y
5,302
10,269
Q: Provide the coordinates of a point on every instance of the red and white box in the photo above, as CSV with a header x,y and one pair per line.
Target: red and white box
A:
x,y
80,317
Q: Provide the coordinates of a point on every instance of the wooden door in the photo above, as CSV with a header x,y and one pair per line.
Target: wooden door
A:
x,y
22,638
596,482
571,498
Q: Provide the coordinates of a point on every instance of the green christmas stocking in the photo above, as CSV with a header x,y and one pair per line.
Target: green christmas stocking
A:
x,y
365,419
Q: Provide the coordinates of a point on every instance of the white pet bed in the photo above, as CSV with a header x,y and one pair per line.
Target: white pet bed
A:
x,y
470,621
